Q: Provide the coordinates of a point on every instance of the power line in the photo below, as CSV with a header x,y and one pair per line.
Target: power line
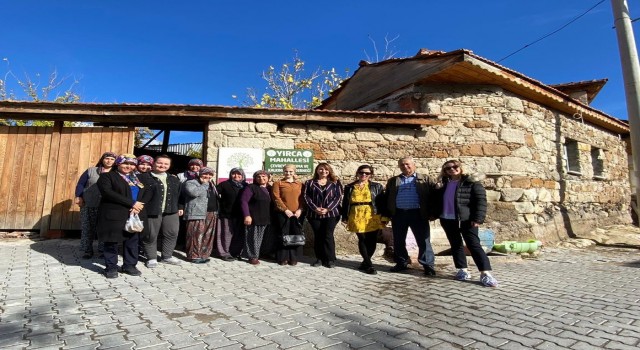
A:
x,y
550,34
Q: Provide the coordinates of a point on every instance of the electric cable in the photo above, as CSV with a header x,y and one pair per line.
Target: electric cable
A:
x,y
550,34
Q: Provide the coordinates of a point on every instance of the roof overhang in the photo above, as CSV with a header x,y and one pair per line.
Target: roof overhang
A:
x,y
194,117
459,67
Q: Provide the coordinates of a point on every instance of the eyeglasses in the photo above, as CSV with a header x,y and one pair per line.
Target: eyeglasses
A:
x,y
363,173
451,167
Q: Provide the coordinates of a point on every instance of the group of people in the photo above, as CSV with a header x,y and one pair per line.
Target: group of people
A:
x,y
232,219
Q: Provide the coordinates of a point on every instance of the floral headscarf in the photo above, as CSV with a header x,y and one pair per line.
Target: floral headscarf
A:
x,y
145,159
126,158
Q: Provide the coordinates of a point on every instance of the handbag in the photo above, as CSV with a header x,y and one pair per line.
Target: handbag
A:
x,y
293,240
134,224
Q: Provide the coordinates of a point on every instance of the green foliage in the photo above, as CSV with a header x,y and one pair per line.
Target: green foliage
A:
x,y
142,134
291,87
194,154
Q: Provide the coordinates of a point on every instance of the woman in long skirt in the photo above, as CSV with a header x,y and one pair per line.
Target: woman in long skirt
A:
x,y
200,214
230,228
287,197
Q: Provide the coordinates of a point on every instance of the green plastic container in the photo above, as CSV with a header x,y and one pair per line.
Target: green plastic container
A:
x,y
518,247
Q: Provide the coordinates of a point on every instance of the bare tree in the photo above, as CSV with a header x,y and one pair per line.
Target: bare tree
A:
x,y
389,50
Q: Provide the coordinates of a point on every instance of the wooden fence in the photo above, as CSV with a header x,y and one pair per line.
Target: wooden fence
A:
x,y
39,169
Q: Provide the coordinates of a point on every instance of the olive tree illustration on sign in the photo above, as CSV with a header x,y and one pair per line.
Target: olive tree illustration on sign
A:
x,y
240,160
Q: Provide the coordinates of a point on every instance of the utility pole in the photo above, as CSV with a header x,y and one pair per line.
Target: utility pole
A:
x,y
631,75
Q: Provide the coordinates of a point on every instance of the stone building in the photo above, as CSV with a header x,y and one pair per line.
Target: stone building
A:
x,y
554,165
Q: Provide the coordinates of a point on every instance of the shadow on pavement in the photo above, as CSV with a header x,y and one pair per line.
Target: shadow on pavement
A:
x,y
67,252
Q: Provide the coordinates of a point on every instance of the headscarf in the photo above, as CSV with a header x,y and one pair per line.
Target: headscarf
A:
x,y
130,178
195,161
206,170
126,158
258,173
190,175
145,159
242,183
105,155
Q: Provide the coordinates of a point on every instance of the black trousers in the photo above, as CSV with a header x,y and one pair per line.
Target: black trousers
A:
x,y
129,251
324,244
367,242
457,231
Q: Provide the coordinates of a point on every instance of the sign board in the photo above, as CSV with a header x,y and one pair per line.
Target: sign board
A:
x,y
275,159
248,159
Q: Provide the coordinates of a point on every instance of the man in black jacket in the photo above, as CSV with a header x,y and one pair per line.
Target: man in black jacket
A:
x,y
166,224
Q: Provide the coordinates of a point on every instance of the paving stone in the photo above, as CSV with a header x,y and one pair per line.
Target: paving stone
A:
x,y
284,341
618,345
44,340
556,306
320,341
146,340
80,341
13,339
352,340
248,341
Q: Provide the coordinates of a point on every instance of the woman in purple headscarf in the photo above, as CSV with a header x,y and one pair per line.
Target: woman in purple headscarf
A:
x,y
122,194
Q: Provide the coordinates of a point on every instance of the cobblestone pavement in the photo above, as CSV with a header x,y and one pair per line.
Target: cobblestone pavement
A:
x,y
577,299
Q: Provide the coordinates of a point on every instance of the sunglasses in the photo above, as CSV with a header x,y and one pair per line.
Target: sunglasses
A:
x,y
363,173
451,167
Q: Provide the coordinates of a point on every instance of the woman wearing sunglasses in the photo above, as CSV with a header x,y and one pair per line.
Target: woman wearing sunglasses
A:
x,y
361,214
463,210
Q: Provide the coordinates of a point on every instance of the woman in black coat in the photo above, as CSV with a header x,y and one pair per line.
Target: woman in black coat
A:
x,y
463,209
122,194
229,236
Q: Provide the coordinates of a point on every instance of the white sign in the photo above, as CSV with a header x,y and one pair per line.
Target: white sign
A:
x,y
248,159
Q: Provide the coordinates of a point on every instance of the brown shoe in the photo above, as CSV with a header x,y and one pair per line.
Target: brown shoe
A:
x,y
282,262
293,263
254,261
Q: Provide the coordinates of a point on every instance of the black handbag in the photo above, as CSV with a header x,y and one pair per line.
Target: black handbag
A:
x,y
293,240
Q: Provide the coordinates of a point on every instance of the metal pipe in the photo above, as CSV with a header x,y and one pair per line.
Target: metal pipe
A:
x,y
631,75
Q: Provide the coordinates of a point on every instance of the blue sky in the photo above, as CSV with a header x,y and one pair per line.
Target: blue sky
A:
x,y
203,52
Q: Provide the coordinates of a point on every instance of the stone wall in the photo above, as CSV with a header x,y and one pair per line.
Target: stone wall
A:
x,y
517,144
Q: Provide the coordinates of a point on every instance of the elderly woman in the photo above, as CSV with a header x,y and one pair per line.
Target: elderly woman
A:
x,y
255,202
360,213
122,194
192,172
200,214
322,196
230,228
463,210
288,201
88,199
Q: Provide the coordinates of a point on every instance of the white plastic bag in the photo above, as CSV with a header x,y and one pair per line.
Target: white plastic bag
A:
x,y
134,224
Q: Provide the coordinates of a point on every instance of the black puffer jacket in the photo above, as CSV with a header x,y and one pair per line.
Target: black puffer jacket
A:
x,y
377,195
471,199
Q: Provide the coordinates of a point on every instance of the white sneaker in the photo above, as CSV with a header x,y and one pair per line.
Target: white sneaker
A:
x,y
488,281
462,275
152,263
172,260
